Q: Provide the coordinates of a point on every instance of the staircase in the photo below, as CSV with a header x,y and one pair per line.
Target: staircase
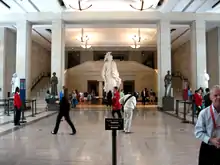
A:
x,y
39,88
177,84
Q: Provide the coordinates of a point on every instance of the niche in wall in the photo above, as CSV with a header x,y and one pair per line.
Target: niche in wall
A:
x,y
148,58
117,55
73,58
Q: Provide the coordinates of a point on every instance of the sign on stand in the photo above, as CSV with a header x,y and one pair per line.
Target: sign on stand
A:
x,y
114,125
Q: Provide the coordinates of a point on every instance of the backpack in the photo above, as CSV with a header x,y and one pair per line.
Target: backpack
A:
x,y
122,108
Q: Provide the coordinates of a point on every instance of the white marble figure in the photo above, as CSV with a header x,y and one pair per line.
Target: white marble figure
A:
x,y
110,73
205,80
15,82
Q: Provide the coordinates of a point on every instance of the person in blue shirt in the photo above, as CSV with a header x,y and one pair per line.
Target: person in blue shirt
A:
x,y
207,130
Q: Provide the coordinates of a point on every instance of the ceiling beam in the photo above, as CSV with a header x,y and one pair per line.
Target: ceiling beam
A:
x,y
108,17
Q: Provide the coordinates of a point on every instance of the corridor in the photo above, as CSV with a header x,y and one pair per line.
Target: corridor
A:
x,y
157,139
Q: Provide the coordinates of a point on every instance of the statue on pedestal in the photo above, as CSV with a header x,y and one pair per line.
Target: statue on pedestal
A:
x,y
15,82
54,82
205,80
110,73
168,84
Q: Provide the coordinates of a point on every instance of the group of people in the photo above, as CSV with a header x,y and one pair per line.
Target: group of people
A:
x,y
200,99
120,103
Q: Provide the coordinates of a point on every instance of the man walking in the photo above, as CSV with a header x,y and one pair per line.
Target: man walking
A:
x,y
129,103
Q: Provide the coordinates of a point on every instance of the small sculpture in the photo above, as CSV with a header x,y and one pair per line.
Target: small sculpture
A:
x,y
205,80
54,82
15,82
110,73
168,84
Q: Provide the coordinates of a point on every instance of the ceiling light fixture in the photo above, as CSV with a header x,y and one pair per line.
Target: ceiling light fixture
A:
x,y
84,40
80,6
142,6
137,40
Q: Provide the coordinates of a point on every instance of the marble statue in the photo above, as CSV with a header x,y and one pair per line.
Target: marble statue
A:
x,y
205,80
168,84
54,82
15,82
110,73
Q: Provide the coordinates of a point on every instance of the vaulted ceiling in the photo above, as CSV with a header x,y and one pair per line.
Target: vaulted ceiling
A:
x,y
110,36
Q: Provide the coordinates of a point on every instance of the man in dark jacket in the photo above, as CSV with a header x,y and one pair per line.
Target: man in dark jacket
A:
x,y
207,100
64,112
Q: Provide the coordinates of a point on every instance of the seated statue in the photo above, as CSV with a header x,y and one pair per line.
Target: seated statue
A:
x,y
110,73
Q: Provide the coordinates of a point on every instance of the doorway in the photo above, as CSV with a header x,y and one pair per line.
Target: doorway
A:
x,y
93,86
128,86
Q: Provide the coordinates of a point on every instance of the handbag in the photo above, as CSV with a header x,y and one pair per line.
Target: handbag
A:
x,y
122,108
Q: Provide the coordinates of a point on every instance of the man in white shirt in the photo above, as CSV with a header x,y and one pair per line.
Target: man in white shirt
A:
x,y
207,129
129,103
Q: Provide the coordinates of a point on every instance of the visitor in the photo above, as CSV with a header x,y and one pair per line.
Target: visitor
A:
x,y
17,106
64,112
198,101
122,93
116,106
47,98
109,100
129,103
207,99
74,99
207,130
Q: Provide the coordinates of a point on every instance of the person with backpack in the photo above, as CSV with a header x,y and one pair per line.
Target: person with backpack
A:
x,y
128,105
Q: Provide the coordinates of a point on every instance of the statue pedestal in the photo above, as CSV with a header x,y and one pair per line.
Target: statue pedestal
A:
x,y
168,104
53,105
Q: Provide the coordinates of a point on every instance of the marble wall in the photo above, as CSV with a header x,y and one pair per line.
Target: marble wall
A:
x,y
181,59
2,61
40,59
10,60
181,63
213,53
145,77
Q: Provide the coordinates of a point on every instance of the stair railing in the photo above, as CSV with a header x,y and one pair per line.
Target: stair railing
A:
x,y
39,78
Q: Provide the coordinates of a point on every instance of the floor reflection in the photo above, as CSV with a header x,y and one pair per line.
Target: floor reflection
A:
x,y
158,139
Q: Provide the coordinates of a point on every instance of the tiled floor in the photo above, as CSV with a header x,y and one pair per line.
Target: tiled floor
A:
x,y
158,139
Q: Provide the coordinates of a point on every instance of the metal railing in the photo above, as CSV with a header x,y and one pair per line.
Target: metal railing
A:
x,y
39,78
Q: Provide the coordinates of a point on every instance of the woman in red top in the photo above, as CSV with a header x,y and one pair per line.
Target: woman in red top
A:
x,y
17,106
198,101
116,106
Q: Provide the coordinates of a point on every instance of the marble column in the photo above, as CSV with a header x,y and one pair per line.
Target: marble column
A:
x,y
100,89
23,53
58,52
2,63
198,52
163,56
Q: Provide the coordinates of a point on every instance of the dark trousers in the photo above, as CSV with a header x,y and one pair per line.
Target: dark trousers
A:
x,y
209,155
143,100
118,112
17,116
67,118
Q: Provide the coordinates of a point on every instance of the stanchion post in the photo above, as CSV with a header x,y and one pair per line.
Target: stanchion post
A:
x,y
35,106
32,107
177,107
114,125
8,107
114,147
193,114
184,114
22,114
